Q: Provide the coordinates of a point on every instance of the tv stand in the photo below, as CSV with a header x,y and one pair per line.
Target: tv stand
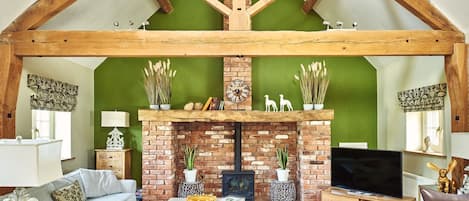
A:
x,y
339,194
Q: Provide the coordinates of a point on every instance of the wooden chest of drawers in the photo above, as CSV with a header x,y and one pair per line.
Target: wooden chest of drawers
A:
x,y
116,160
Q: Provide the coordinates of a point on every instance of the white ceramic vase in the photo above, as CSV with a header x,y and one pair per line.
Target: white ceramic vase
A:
x,y
154,107
307,106
318,106
282,175
165,106
190,175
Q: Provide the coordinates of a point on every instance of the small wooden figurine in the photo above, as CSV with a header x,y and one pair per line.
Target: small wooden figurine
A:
x,y
444,184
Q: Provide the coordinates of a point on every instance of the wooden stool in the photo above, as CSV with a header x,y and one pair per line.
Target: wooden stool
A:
x,y
186,189
282,191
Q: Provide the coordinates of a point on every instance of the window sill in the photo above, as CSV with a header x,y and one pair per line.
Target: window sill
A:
x,y
425,153
68,159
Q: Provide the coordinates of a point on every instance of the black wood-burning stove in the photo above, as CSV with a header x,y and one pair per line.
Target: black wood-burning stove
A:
x,y
238,183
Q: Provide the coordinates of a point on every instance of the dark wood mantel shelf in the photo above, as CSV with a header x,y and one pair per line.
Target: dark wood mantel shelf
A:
x,y
234,116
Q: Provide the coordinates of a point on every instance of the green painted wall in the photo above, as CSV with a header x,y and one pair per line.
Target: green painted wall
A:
x,y
352,92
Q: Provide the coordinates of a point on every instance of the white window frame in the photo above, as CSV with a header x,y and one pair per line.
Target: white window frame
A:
x,y
53,133
417,131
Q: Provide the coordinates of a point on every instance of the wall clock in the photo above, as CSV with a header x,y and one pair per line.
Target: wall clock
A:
x,y
237,91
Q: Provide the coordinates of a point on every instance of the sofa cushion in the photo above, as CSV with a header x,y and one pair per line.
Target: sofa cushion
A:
x,y
114,197
69,193
98,183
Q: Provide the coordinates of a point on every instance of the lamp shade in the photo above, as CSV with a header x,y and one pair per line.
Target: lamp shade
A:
x,y
114,119
29,163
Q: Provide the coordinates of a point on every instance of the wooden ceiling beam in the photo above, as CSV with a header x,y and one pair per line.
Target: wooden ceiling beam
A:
x,y
38,14
219,6
258,7
426,12
10,75
233,43
456,76
308,5
166,6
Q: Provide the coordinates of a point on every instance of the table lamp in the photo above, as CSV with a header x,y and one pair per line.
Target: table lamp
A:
x,y
115,119
28,163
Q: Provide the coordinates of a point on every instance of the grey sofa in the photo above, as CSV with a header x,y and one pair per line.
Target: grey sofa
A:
x,y
43,193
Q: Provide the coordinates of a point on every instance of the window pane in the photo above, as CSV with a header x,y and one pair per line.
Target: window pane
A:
x,y
63,131
432,126
413,131
41,121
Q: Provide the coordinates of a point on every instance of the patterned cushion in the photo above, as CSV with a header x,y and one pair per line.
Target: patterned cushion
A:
x,y
72,192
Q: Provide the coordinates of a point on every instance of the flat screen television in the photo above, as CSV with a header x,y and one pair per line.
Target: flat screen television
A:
x,y
372,171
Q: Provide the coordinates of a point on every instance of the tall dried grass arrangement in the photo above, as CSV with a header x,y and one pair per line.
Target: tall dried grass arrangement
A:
x,y
157,83
321,82
306,84
314,81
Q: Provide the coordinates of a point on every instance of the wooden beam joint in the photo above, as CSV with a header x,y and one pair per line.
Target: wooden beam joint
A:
x,y
38,14
166,6
10,75
456,76
308,5
258,7
425,11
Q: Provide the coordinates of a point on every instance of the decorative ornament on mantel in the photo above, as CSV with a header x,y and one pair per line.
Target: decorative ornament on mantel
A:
x,y
283,103
158,78
270,104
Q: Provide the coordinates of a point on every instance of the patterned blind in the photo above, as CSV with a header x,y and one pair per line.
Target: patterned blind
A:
x,y
423,99
52,95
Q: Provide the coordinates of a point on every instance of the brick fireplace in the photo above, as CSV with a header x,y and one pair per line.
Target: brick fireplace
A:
x,y
165,133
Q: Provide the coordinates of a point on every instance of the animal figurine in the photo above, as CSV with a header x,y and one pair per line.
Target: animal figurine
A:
x,y
444,184
283,103
270,103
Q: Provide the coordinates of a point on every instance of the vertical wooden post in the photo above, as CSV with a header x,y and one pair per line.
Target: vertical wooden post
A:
x,y
456,76
10,75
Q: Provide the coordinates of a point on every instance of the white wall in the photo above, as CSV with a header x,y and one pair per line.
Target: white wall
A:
x,y
82,118
398,74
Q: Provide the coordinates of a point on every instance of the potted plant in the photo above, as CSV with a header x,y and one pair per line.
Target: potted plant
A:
x,y
320,84
282,157
158,80
306,86
190,172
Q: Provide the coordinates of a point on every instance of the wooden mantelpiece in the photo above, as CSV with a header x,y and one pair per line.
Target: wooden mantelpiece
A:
x,y
234,116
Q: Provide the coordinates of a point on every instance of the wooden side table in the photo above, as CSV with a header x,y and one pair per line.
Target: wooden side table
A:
x,y
186,189
116,160
282,191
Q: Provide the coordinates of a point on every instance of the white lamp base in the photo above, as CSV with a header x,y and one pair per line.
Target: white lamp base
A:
x,y
20,194
115,139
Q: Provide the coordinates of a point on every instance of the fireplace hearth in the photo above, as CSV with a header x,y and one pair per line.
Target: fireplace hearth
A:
x,y
238,182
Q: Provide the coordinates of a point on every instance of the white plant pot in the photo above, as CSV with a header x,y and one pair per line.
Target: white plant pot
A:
x,y
307,106
190,175
282,175
165,106
154,107
318,106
